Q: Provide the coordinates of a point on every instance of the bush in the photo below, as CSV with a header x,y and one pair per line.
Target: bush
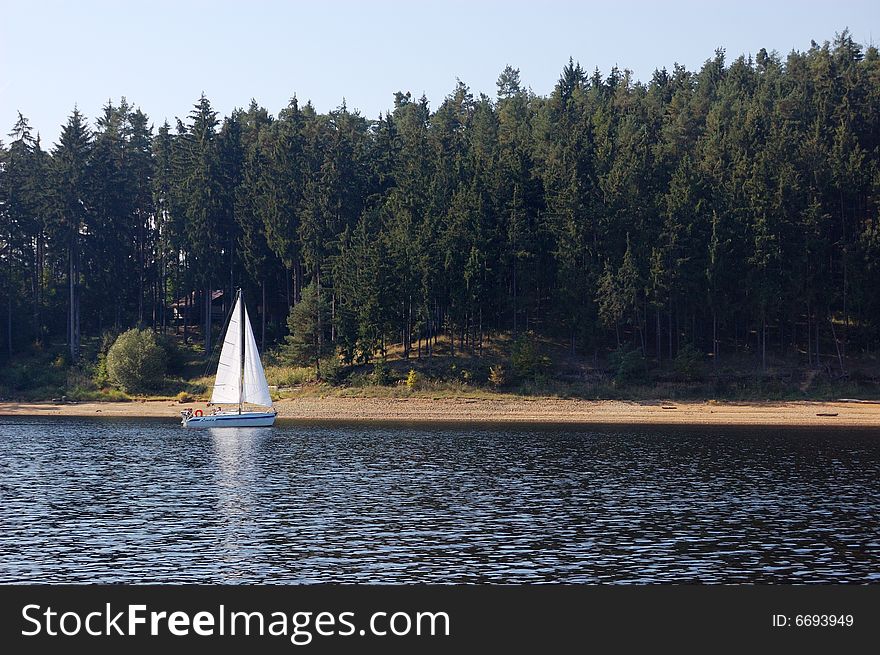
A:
x,y
331,369
688,363
185,397
628,365
381,375
108,338
527,360
100,377
412,380
497,376
136,362
175,357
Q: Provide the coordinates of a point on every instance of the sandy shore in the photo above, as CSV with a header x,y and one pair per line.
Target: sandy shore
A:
x,y
523,410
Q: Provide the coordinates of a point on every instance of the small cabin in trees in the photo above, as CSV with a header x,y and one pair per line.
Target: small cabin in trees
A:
x,y
187,309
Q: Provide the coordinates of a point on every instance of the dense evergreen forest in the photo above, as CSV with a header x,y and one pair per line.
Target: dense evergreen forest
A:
x,y
731,210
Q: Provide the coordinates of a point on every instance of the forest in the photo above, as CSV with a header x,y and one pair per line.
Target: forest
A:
x,y
732,212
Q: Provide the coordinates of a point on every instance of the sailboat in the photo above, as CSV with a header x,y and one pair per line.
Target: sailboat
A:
x,y
240,379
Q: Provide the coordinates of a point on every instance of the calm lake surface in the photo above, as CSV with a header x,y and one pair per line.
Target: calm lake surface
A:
x,y
145,501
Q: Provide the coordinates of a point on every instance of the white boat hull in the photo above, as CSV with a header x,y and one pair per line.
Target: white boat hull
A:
x,y
231,420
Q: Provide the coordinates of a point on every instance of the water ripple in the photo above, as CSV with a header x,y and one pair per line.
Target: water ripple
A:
x,y
148,502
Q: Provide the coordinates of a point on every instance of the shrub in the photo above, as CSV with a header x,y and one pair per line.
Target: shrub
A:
x,y
175,357
688,363
628,365
497,376
108,338
412,380
100,377
381,375
331,369
526,358
184,397
78,378
136,362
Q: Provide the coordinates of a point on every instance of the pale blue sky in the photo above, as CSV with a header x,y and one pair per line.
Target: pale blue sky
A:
x,y
161,55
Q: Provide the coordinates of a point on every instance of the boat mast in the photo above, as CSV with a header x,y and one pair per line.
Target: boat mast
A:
x,y
241,371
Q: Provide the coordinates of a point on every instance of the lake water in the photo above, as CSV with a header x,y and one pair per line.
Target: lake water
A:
x,y
145,501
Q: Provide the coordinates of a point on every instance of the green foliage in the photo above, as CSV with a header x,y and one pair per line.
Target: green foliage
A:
x,y
737,200
289,376
176,357
628,365
308,319
101,377
688,362
136,362
332,370
381,375
526,358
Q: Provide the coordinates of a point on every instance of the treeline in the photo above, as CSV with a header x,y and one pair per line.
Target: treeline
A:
x,y
729,208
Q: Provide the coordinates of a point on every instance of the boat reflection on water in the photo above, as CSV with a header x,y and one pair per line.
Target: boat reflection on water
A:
x,y
237,448
238,474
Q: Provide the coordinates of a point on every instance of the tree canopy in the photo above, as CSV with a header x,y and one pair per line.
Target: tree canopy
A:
x,y
729,208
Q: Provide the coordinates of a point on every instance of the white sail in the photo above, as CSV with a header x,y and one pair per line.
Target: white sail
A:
x,y
230,387
227,386
255,389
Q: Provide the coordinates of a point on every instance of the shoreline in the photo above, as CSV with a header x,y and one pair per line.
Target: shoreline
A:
x,y
502,410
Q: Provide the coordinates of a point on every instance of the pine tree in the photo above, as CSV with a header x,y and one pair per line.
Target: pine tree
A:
x,y
71,212
307,343
203,207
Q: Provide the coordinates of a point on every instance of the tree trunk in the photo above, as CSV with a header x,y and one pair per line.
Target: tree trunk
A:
x,y
809,339
208,322
333,317
763,343
263,316
715,339
514,297
481,332
73,315
320,325
140,271
836,345
659,346
35,283
9,323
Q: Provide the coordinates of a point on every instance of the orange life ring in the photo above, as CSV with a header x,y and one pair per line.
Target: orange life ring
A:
x,y
199,412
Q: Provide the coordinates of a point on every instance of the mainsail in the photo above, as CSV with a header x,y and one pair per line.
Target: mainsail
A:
x,y
234,385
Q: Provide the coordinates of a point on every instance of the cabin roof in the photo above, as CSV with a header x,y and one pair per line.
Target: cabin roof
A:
x,y
216,295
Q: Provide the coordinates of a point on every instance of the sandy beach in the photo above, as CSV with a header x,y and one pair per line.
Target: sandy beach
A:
x,y
522,410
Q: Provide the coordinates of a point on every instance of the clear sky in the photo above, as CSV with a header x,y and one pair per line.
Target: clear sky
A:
x,y
162,55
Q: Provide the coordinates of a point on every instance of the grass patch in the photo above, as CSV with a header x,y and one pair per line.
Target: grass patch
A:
x,y
97,395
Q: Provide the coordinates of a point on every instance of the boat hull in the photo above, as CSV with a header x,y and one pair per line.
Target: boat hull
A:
x,y
231,420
